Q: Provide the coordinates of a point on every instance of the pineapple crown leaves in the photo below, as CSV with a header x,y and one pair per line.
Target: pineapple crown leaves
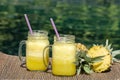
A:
x,y
108,46
115,54
84,62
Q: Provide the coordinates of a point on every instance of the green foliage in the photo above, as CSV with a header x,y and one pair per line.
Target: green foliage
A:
x,y
91,22
84,62
116,56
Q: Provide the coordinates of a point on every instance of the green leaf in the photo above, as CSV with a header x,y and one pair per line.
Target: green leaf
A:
x,y
114,53
79,70
96,59
116,60
82,53
88,59
106,43
87,69
108,46
116,56
78,54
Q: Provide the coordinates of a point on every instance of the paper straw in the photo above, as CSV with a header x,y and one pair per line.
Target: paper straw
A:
x,y
28,23
55,29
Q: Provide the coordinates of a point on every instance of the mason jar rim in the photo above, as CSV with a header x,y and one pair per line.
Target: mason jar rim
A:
x,y
65,37
38,33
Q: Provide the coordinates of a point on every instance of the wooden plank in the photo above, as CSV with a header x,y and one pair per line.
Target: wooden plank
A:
x,y
10,69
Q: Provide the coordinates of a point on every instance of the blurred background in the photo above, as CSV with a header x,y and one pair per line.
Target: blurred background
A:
x,y
91,21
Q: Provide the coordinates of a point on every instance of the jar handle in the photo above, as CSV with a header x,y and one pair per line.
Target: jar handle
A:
x,y
20,51
44,52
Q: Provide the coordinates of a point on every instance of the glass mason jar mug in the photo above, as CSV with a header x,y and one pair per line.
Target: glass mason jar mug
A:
x,y
35,45
63,56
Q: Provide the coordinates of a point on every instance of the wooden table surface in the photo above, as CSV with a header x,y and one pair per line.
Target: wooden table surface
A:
x,y
10,69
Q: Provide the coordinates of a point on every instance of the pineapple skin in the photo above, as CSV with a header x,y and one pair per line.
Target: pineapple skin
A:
x,y
81,47
105,63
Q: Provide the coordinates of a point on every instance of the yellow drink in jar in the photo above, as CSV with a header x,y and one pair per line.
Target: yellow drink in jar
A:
x,y
34,52
63,57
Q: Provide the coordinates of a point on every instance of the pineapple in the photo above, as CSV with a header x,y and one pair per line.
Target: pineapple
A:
x,y
100,50
83,61
98,58
81,47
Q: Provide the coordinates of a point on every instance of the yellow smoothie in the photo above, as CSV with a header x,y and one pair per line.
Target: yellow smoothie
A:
x,y
34,56
62,59
34,51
